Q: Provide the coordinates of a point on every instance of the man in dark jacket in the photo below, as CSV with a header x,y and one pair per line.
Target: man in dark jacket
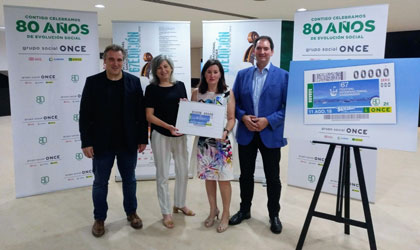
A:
x,y
113,125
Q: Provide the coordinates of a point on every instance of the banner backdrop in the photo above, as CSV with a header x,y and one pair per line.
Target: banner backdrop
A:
x,y
143,41
231,43
357,32
50,53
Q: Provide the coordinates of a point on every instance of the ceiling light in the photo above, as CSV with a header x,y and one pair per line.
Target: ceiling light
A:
x,y
301,9
100,6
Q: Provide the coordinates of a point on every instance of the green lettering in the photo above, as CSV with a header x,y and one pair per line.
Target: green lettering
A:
x,y
357,23
20,25
48,28
344,26
370,25
74,28
331,28
85,29
307,28
62,28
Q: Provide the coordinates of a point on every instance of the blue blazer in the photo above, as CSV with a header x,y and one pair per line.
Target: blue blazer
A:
x,y
272,105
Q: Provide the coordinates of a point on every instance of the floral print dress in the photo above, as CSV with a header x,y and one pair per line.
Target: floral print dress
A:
x,y
214,156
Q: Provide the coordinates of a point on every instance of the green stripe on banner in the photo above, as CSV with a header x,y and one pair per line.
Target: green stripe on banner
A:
x,y
310,95
286,44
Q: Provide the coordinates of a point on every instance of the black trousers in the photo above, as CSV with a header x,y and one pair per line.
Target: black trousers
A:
x,y
271,162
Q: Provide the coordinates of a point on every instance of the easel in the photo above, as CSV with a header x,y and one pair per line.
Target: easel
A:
x,y
343,193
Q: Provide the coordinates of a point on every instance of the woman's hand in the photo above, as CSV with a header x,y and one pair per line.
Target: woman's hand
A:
x,y
173,130
225,135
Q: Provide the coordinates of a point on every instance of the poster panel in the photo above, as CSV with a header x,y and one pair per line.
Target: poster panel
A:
x,y
347,33
50,54
398,135
143,41
231,43
366,127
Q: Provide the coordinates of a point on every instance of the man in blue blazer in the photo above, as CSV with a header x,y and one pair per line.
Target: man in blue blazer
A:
x,y
113,125
260,94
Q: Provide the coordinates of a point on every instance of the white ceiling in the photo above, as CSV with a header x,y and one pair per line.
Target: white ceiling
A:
x,y
403,14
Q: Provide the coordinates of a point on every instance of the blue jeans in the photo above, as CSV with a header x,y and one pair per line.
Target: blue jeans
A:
x,y
102,165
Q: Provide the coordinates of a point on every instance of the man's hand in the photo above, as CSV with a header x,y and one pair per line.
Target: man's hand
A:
x,y
141,147
249,123
88,152
261,123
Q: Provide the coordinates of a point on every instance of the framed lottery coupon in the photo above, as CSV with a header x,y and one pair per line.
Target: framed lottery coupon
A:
x,y
201,119
350,95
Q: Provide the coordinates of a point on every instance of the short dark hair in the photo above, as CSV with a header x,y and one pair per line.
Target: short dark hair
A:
x,y
116,48
204,86
264,38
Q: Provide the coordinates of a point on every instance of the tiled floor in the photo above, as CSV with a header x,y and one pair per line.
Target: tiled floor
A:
x,y
62,220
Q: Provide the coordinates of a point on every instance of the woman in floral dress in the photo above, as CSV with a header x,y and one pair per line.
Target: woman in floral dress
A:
x,y
214,156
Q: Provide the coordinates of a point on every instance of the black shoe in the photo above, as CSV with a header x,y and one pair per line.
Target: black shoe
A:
x,y
276,226
239,217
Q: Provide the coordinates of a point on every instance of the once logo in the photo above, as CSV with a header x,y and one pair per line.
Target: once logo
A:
x,y
75,78
311,178
40,99
42,140
45,180
79,156
76,117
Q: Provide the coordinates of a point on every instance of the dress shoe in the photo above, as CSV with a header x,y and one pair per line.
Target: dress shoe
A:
x,y
167,221
186,211
98,228
276,226
223,225
209,222
135,221
239,217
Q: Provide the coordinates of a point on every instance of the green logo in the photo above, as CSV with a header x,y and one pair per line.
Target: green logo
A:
x,y
45,180
78,156
75,78
311,178
76,117
42,140
375,101
40,99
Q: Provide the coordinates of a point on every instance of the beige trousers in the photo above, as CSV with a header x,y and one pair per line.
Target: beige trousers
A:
x,y
163,147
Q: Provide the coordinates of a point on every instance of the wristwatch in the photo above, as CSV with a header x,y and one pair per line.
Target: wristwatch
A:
x,y
227,130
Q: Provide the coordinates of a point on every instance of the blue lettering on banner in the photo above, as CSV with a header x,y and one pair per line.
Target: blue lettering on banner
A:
x,y
223,49
133,51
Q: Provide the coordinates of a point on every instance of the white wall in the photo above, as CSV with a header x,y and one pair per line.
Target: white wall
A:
x,y
3,55
196,54
103,42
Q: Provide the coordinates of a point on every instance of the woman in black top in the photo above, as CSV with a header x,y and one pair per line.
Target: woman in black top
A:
x,y
163,95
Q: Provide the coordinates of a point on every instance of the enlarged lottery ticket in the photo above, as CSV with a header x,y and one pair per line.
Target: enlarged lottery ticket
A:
x,y
351,95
